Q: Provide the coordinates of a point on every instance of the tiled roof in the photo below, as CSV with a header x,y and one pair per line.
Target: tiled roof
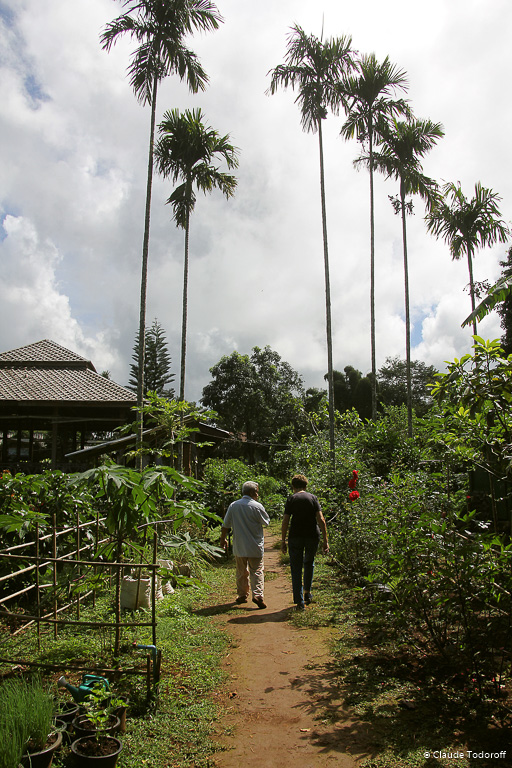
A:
x,y
45,351
45,372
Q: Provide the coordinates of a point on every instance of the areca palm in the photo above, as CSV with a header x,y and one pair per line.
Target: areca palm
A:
x,y
402,145
187,150
370,92
159,28
467,225
315,69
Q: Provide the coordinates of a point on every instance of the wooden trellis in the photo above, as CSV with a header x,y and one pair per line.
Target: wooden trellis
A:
x,y
82,557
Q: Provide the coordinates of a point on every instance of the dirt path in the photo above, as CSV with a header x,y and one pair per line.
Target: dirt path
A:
x,y
283,704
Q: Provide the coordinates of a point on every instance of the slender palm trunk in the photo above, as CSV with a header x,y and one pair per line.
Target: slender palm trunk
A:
x,y
407,315
328,324
184,313
472,287
144,279
372,278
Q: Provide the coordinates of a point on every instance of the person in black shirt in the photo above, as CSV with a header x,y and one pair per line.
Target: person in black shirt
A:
x,y
306,523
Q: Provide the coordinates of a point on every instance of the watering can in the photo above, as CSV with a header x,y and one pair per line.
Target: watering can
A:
x,y
84,689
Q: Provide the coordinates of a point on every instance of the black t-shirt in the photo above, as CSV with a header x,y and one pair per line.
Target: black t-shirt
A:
x,y
302,508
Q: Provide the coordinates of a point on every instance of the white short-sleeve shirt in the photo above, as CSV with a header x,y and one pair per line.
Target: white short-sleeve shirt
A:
x,y
246,517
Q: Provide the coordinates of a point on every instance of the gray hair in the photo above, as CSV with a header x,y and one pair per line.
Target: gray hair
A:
x,y
250,488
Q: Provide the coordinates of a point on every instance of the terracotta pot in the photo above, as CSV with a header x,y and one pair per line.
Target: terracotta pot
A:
x,y
82,726
80,748
121,712
42,759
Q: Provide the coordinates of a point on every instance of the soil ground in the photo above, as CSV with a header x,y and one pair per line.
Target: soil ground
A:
x,y
283,704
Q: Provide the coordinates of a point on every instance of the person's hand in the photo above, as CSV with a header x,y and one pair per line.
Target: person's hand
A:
x,y
223,545
283,547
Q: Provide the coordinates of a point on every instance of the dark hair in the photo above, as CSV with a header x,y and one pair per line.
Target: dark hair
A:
x,y
299,481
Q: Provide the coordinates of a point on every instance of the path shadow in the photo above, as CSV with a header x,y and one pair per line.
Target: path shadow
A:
x,y
256,617
215,610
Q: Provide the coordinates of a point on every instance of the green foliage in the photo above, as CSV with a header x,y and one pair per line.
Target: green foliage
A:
x,y
445,577
385,444
475,421
257,395
224,478
392,378
352,390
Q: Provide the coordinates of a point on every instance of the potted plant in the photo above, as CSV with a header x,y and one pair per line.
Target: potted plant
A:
x,y
100,744
26,722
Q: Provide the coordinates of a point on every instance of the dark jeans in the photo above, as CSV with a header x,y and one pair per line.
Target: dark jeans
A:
x,y
302,552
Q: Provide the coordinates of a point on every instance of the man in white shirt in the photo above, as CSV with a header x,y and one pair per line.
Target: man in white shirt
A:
x,y
247,517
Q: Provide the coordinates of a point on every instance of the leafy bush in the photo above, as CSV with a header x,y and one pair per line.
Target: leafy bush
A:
x,y
224,479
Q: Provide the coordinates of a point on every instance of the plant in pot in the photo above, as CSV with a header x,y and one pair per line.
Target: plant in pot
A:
x,y
26,720
99,724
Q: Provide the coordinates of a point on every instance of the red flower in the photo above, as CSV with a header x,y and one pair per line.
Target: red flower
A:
x,y
354,495
353,480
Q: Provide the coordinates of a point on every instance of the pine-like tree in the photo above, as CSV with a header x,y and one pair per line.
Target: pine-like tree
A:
x,y
157,363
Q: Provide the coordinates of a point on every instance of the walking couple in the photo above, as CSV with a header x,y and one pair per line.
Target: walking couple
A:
x,y
304,523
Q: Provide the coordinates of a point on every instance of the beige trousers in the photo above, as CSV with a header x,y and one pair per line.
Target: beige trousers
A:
x,y
249,569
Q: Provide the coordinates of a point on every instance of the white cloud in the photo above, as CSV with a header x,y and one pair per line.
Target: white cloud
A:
x,y
73,152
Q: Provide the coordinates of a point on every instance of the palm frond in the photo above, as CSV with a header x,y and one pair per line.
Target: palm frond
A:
x,y
496,294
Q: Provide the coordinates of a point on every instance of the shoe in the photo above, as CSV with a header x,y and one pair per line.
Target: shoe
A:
x,y
307,598
241,599
259,602
300,607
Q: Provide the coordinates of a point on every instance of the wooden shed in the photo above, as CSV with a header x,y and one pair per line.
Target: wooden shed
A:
x,y
53,400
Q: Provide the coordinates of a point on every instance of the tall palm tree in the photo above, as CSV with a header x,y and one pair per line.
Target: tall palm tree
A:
x,y
316,68
467,225
186,151
159,28
370,92
401,146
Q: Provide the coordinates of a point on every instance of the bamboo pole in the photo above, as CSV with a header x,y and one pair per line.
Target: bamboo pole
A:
x,y
38,594
54,553
73,622
153,586
78,558
106,563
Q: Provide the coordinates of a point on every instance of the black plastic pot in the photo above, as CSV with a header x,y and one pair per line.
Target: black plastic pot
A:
x,y
80,747
82,726
44,758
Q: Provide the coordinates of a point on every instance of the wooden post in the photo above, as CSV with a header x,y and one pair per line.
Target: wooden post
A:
x,y
154,577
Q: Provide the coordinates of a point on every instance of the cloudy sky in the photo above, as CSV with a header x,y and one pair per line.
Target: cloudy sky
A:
x,y
73,154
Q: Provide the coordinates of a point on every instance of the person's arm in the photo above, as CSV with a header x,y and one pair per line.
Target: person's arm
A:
x,y
284,531
323,529
223,544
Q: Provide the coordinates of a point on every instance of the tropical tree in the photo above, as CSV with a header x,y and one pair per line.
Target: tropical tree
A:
x,y
370,92
393,378
315,69
186,151
159,28
157,363
401,147
467,225
257,394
